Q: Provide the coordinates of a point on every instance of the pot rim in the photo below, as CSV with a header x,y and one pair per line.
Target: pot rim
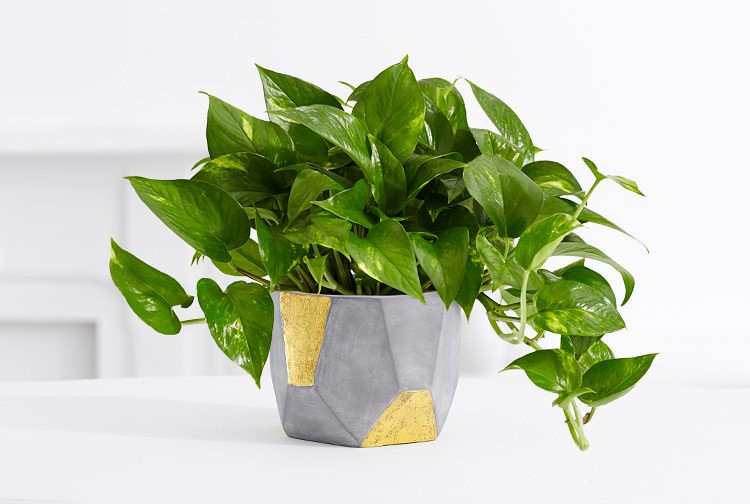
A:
x,y
428,294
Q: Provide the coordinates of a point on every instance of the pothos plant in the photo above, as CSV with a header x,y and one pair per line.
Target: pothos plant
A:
x,y
390,192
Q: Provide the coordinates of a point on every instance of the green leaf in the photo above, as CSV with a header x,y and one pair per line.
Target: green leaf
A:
x,y
614,378
206,217
270,141
591,278
307,186
356,91
150,293
392,108
571,308
448,100
552,370
279,255
349,204
454,187
561,205
510,128
490,143
341,129
387,178
586,251
425,172
283,91
628,184
309,146
444,261
247,177
539,241
317,267
325,229
553,178
246,258
230,130
511,199
598,352
472,282
386,255
456,216
437,134
578,345
240,321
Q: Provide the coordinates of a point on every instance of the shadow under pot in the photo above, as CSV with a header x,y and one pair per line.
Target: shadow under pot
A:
x,y
364,371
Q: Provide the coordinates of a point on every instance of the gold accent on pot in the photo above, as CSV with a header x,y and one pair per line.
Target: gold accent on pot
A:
x,y
410,418
304,320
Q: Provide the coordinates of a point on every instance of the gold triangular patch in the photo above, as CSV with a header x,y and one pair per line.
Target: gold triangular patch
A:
x,y
410,418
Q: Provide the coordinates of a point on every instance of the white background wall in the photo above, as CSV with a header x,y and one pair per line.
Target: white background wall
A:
x,y
656,91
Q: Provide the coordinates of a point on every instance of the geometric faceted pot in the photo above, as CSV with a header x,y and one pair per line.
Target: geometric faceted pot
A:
x,y
364,370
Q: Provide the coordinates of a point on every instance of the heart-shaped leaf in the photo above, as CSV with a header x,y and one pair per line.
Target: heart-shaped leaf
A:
x,y
206,217
510,128
341,129
571,308
511,199
598,352
283,91
425,172
387,179
244,259
386,254
150,293
553,178
611,379
392,108
230,130
437,134
444,260
626,183
240,321
587,276
307,186
279,255
349,204
472,282
322,228
552,370
586,251
247,177
317,268
586,350
539,241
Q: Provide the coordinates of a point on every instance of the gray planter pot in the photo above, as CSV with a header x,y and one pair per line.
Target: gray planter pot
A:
x,y
364,370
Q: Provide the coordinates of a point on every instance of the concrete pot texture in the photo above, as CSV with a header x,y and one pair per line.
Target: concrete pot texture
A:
x,y
364,371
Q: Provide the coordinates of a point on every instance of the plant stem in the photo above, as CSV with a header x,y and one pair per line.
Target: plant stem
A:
x,y
308,278
575,426
193,321
522,323
533,344
336,286
345,278
586,199
501,316
262,281
588,416
296,281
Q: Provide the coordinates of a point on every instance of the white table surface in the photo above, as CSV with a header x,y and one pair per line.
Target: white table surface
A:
x,y
218,439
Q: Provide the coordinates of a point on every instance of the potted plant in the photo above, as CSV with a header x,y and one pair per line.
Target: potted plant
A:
x,y
361,229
